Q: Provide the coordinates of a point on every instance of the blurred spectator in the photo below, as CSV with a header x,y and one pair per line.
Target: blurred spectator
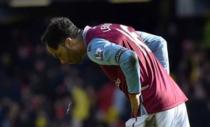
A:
x,y
81,106
111,103
206,34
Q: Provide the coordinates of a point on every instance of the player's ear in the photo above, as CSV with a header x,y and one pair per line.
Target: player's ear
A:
x,y
68,42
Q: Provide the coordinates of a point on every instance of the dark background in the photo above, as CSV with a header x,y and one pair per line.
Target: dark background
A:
x,y
35,89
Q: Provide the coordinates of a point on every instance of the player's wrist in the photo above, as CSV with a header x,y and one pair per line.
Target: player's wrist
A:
x,y
135,104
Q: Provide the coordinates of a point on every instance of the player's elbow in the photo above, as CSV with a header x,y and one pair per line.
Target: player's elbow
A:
x,y
128,58
132,57
163,42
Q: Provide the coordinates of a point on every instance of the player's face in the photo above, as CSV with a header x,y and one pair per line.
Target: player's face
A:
x,y
72,54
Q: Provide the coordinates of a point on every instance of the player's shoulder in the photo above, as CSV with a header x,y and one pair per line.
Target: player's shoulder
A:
x,y
108,24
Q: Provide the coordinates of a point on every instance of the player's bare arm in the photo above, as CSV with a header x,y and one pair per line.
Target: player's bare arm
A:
x,y
135,104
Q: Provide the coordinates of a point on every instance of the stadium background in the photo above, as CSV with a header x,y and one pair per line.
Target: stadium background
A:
x,y
35,89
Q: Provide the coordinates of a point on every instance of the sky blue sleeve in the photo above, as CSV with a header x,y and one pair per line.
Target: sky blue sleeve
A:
x,y
158,45
104,52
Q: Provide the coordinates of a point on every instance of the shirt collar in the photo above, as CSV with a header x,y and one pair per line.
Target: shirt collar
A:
x,y
85,31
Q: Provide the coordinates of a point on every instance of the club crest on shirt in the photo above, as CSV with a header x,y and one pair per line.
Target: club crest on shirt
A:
x,y
99,54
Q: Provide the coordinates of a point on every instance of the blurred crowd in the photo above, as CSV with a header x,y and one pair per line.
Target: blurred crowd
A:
x,y
37,91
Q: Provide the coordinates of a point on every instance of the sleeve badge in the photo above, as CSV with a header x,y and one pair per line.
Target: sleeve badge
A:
x,y
99,54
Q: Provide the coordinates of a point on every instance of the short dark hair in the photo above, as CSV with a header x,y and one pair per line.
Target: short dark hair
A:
x,y
57,30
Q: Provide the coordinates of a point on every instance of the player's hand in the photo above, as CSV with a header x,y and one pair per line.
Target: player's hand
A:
x,y
137,122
